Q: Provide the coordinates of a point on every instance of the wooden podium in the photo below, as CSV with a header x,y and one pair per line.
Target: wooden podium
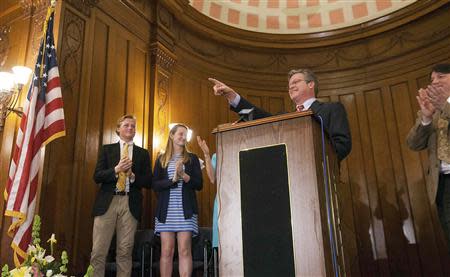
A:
x,y
277,202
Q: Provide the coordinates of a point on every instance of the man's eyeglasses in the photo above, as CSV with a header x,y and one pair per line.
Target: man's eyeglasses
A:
x,y
294,83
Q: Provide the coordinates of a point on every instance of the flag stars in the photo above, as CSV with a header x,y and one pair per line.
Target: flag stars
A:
x,y
47,46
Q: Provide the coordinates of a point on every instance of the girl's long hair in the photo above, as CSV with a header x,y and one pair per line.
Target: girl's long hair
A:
x,y
165,157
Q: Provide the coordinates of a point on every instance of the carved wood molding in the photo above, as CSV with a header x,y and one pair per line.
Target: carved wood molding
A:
x,y
84,6
162,57
164,28
31,7
162,106
4,43
38,19
162,62
72,52
140,7
165,18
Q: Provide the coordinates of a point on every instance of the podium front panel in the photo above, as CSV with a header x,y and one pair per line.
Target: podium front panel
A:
x,y
305,210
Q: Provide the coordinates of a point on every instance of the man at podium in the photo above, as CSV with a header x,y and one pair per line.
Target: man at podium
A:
x,y
303,88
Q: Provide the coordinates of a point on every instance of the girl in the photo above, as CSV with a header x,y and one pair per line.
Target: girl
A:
x,y
177,175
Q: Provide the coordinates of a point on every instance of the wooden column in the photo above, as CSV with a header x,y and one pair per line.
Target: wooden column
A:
x,y
162,65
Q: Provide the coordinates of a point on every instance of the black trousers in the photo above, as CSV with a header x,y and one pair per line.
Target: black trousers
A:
x,y
443,205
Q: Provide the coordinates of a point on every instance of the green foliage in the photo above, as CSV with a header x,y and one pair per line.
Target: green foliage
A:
x,y
89,272
5,271
38,263
35,234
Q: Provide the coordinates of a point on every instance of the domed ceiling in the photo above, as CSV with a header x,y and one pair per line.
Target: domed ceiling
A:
x,y
296,16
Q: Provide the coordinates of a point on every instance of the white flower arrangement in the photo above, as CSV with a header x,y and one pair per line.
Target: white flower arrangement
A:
x,y
37,264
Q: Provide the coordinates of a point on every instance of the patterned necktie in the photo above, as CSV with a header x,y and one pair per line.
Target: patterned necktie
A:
x,y
122,175
443,141
300,108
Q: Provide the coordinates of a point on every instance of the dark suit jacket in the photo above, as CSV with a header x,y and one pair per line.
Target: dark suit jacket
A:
x,y
162,185
106,177
334,120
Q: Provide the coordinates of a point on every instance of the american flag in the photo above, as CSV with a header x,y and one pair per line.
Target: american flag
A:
x,y
42,122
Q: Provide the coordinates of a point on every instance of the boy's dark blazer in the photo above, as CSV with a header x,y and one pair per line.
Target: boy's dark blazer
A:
x,y
105,176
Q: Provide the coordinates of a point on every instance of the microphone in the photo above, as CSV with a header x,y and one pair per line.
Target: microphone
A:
x,y
245,115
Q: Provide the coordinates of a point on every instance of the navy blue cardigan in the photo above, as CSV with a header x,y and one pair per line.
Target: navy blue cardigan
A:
x,y
162,185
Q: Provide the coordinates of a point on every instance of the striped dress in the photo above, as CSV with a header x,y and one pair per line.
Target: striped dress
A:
x,y
175,221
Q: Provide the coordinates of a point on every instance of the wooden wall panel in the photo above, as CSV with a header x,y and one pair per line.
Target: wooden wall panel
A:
x,y
375,226
389,209
93,133
255,99
276,105
350,204
425,238
359,195
404,223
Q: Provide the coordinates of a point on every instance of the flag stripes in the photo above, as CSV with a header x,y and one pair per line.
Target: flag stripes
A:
x,y
42,122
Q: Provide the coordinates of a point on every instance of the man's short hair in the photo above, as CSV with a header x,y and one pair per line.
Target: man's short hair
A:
x,y
441,68
309,76
122,118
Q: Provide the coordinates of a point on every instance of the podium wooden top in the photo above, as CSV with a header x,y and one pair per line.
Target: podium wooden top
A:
x,y
233,126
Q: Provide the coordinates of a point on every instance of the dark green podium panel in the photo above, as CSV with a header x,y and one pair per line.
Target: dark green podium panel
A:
x,y
266,212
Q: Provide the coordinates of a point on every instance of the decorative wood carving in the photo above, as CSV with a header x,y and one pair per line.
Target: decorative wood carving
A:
x,y
162,100
165,18
71,52
4,43
162,58
38,19
31,7
162,62
84,6
164,28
